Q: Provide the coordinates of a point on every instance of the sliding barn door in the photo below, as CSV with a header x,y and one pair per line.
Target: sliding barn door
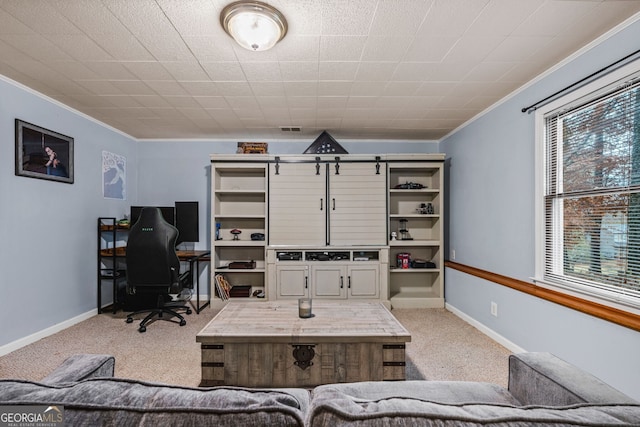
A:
x,y
357,204
297,204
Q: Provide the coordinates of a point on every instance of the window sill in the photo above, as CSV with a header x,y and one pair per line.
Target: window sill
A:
x,y
609,299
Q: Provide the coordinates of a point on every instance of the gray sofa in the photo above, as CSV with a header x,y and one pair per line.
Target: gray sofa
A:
x,y
543,390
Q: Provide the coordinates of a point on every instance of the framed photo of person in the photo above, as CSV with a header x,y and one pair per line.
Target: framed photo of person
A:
x,y
42,153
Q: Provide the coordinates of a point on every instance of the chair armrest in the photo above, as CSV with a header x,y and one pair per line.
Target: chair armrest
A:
x,y
544,379
179,281
80,367
185,279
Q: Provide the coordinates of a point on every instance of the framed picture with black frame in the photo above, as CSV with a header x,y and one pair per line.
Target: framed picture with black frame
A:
x,y
42,153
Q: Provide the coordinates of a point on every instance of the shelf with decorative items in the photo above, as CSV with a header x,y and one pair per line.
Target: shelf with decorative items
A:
x,y
416,231
239,224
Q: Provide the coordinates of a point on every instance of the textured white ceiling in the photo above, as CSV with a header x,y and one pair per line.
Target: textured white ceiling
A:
x,y
372,69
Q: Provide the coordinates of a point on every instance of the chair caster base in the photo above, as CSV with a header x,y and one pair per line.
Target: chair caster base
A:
x,y
165,313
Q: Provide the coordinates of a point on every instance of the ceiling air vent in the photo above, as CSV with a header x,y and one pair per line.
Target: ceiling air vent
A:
x,y
290,129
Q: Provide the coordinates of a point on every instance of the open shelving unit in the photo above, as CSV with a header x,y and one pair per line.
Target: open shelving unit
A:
x,y
419,210
111,260
239,202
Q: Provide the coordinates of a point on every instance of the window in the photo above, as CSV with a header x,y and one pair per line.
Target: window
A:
x,y
590,198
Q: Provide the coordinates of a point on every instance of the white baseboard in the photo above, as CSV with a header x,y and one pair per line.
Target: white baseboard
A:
x,y
485,330
15,345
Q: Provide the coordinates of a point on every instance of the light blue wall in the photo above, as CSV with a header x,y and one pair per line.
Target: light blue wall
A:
x,y
491,226
48,229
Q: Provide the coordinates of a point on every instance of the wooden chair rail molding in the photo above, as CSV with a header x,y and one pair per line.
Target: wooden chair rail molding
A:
x,y
601,311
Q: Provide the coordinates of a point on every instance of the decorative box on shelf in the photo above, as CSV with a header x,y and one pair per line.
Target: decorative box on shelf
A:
x,y
240,291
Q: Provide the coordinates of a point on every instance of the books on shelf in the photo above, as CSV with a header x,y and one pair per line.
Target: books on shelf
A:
x,y
226,290
223,287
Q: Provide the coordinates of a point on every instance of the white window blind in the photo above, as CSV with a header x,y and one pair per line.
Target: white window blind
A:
x,y
592,193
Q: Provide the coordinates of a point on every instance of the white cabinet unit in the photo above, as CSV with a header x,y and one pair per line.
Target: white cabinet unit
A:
x,y
292,281
340,274
329,281
363,281
327,202
347,207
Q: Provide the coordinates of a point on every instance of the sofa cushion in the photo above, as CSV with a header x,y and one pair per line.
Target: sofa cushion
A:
x,y
544,379
80,367
435,391
102,401
331,407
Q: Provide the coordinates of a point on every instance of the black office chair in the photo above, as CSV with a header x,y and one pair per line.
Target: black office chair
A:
x,y
153,268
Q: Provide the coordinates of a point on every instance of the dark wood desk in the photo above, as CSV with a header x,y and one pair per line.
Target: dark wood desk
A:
x,y
192,257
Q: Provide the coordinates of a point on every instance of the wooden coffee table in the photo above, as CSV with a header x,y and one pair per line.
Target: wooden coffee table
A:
x,y
266,344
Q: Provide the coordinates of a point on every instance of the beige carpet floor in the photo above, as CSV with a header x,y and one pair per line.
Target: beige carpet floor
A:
x,y
443,347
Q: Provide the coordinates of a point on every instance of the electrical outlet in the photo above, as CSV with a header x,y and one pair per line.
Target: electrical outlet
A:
x,y
453,254
494,309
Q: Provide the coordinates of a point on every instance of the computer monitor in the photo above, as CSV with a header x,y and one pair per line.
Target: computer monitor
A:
x,y
187,222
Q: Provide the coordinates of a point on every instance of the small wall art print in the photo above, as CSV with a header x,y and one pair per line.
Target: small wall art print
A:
x,y
114,177
42,153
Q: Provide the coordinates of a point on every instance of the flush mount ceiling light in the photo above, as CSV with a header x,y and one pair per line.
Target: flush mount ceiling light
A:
x,y
253,24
